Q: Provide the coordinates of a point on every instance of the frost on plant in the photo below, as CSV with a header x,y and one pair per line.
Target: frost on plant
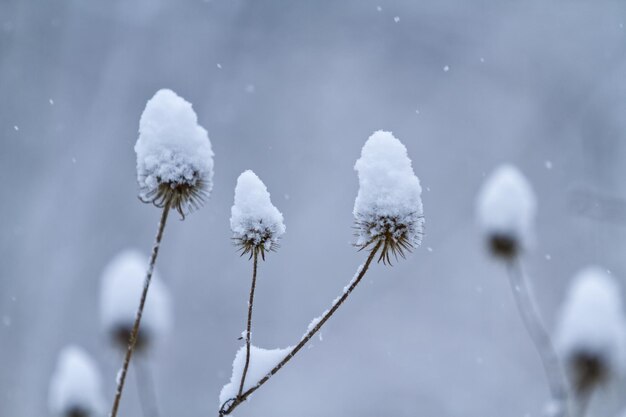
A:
x,y
121,287
174,155
591,330
261,362
388,208
256,224
76,385
506,207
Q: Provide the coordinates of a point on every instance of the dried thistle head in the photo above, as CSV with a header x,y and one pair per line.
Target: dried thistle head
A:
x,y
184,197
257,240
388,209
77,412
587,371
76,385
122,284
256,223
396,235
591,331
505,209
174,155
503,246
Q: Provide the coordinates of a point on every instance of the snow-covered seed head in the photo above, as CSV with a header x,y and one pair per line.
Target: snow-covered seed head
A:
x,y
121,287
591,332
256,224
76,385
388,208
174,155
506,207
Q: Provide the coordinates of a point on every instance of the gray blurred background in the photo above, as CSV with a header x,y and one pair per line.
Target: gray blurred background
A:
x,y
291,90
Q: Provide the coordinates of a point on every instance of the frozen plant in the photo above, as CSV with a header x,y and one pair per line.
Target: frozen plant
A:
x,y
76,386
506,207
121,286
174,155
388,207
257,226
590,335
174,171
389,219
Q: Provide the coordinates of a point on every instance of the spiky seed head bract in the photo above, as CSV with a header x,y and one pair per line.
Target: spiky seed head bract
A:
x,y
174,155
506,207
591,331
256,223
388,208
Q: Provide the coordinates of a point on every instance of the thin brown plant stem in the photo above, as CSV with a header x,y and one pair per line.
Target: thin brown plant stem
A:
x,y
142,302
539,336
582,403
228,408
249,325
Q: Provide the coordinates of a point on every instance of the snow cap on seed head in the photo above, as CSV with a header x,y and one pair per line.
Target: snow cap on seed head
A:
x,y
121,288
174,155
388,207
76,385
256,223
506,207
591,331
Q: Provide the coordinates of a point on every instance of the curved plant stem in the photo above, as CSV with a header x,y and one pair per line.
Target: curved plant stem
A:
x,y
249,326
133,334
145,388
228,407
539,336
583,399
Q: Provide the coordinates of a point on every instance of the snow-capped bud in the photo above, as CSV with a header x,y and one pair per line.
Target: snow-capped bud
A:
x,y
76,385
506,209
388,207
121,287
174,155
591,330
256,224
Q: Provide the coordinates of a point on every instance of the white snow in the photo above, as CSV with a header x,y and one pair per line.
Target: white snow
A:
x,y
388,189
261,363
76,384
121,288
592,321
253,216
172,147
506,205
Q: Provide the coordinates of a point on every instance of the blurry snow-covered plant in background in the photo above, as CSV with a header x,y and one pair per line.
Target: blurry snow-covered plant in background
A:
x,y
591,332
506,208
388,208
174,155
76,386
121,286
